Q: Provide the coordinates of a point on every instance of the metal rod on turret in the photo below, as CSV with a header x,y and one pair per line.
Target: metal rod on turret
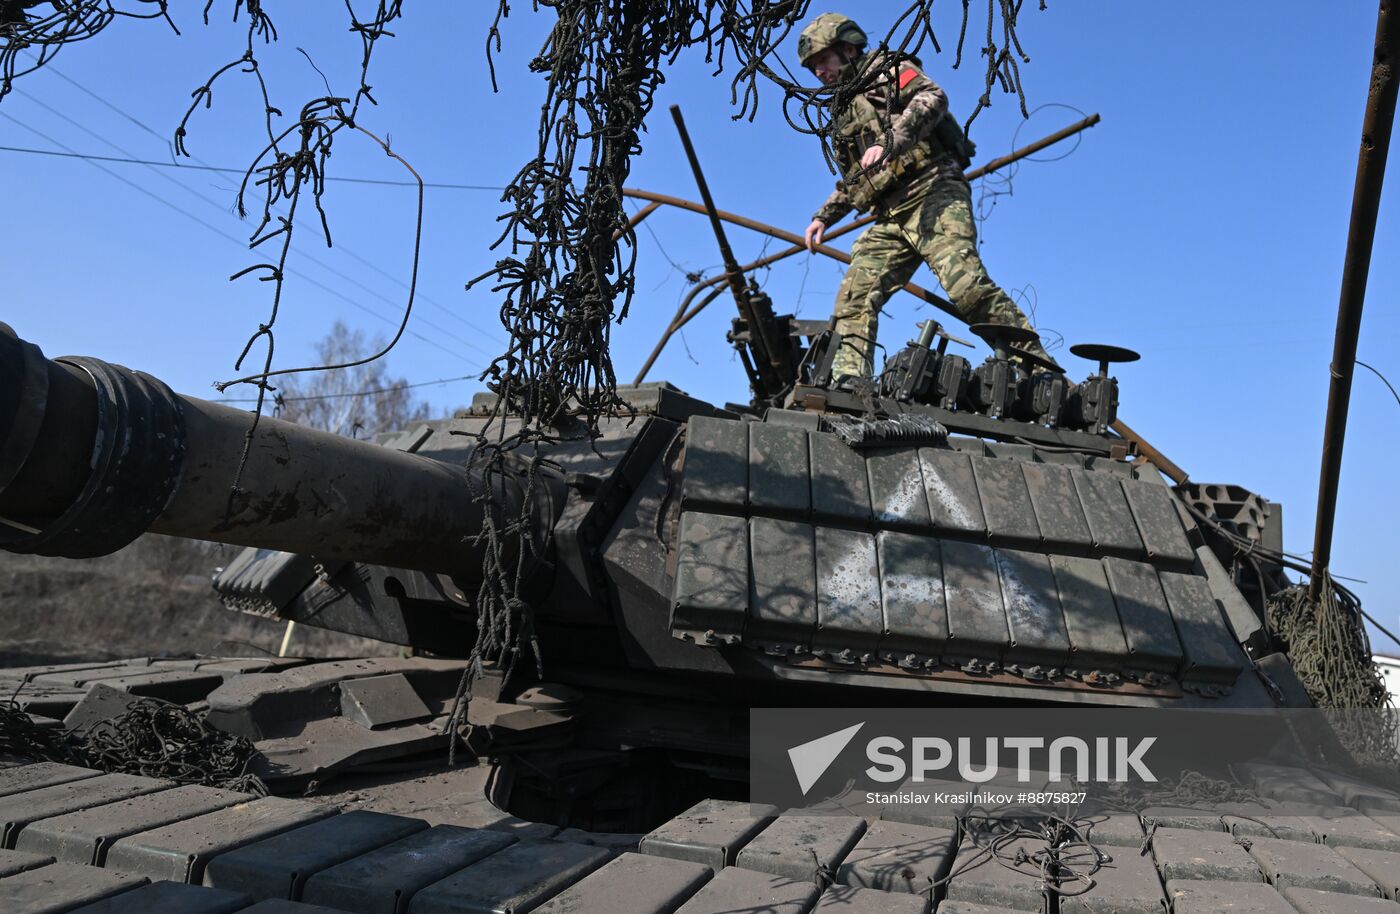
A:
x,y
1155,457
1361,235
773,232
774,357
685,314
1031,149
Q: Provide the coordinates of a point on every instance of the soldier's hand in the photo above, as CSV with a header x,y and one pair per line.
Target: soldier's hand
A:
x,y
814,234
872,155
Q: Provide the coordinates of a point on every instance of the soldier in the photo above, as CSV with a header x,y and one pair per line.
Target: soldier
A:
x,y
902,155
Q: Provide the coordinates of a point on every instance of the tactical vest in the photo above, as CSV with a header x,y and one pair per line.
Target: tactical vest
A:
x,y
860,125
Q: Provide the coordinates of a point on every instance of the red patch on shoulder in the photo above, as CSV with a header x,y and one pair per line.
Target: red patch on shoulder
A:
x,y
906,77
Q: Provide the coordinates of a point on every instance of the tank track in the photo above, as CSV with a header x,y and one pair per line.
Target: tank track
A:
x,y
77,839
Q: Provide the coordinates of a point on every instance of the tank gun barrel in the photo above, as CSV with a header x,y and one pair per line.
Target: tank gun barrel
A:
x,y
92,455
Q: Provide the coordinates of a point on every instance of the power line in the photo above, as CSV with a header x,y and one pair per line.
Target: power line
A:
x,y
232,171
50,68
238,241
299,249
1377,373
151,163
214,203
349,252
358,393
692,277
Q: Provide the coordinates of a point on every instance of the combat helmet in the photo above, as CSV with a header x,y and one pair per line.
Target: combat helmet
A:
x,y
826,31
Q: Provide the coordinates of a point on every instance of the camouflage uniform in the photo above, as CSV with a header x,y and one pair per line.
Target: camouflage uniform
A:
x,y
922,202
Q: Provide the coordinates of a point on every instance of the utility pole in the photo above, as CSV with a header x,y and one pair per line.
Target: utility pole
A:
x,y
1361,235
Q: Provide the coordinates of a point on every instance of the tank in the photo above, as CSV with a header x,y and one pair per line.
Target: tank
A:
x,y
946,535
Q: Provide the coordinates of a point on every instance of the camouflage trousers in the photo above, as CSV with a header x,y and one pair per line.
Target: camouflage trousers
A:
x,y
934,227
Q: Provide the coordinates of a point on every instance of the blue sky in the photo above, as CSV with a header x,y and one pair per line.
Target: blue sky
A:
x,y
1202,223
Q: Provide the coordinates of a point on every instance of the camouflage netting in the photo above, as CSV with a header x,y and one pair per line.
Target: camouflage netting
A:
x,y
151,738
1327,642
32,32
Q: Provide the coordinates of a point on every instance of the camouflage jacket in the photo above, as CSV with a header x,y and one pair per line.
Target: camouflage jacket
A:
x,y
901,110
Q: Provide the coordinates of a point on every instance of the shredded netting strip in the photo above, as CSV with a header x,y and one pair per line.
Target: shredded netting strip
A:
x,y
1331,652
151,738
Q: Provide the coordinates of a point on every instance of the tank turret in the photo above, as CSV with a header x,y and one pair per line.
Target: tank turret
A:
x,y
1000,543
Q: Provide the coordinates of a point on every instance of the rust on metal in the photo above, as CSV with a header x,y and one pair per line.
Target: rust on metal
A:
x,y
1155,457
